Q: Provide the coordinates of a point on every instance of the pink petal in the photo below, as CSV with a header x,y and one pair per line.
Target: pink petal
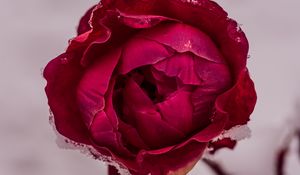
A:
x,y
131,136
62,74
128,133
210,18
205,15
104,135
182,66
190,39
94,84
212,130
142,21
139,52
214,76
140,112
165,85
216,79
177,110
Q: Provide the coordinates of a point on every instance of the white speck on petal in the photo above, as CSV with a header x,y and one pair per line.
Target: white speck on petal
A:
x,y
188,44
238,39
65,143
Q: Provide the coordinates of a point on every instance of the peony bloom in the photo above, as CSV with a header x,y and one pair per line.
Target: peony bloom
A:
x,y
151,83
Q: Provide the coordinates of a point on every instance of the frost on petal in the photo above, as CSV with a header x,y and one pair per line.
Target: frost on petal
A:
x,y
237,133
65,143
84,25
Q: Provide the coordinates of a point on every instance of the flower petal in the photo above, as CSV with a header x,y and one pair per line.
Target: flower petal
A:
x,y
181,118
182,66
142,21
84,25
139,111
94,84
190,39
62,74
239,101
104,135
177,161
165,85
140,52
210,18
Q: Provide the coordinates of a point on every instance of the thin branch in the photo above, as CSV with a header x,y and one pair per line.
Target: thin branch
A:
x,y
216,167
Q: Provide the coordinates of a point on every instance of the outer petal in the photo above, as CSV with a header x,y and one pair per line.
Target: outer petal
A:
x,y
62,74
94,84
206,15
239,101
190,39
84,25
104,135
107,20
210,18
175,162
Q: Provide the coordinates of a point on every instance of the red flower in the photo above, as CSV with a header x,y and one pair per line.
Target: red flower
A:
x,y
150,83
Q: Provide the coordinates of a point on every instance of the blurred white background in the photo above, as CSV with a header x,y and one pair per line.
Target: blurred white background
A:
x,y
34,31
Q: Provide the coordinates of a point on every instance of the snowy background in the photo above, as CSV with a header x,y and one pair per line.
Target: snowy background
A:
x,y
34,31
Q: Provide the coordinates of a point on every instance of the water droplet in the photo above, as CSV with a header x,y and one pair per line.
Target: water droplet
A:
x,y
64,60
238,39
188,44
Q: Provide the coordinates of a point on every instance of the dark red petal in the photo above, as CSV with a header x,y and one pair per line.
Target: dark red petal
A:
x,y
239,101
139,52
140,112
190,39
182,66
131,136
128,133
104,135
174,157
211,19
84,25
94,84
165,85
62,74
214,129
142,21
179,161
177,110
206,15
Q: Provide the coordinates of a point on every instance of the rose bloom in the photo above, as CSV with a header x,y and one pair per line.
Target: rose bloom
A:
x,y
150,83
